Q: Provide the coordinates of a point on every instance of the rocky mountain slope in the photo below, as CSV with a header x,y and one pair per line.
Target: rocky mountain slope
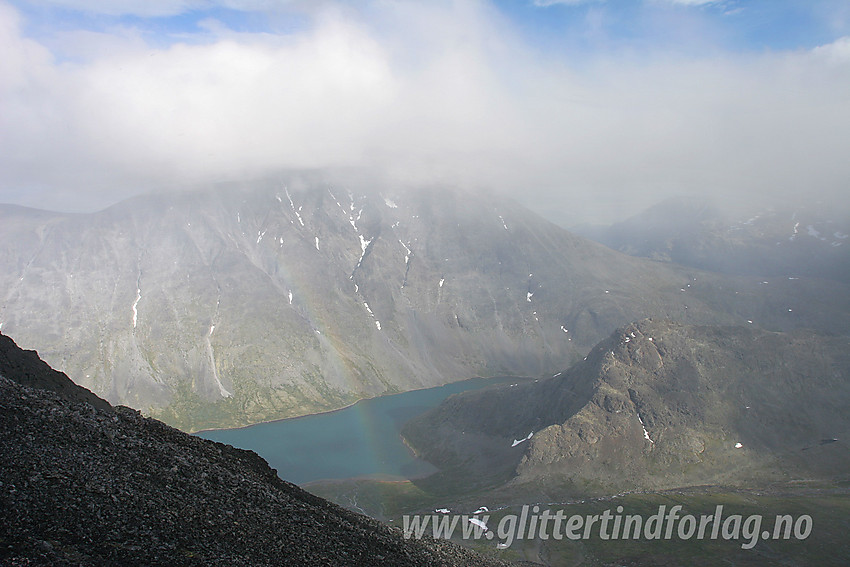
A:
x,y
29,370
81,484
245,303
808,239
656,405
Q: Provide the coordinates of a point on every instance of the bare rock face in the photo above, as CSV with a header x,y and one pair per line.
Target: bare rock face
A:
x,y
82,483
660,405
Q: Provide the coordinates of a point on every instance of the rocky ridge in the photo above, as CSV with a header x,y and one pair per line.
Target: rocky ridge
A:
x,y
657,405
83,484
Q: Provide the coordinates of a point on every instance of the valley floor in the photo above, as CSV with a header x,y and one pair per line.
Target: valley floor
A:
x,y
747,539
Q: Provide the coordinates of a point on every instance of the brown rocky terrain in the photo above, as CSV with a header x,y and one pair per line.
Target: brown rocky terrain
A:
x,y
656,405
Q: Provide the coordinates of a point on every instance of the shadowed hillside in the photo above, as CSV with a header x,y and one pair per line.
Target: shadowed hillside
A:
x,y
656,405
87,485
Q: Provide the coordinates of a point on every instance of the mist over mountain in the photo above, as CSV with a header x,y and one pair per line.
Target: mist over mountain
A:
x,y
244,303
656,405
804,239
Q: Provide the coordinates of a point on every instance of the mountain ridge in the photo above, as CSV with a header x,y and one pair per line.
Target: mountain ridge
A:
x,y
258,301
657,405
786,239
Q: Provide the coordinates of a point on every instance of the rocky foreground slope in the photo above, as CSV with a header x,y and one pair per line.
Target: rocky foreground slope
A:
x,y
656,405
86,485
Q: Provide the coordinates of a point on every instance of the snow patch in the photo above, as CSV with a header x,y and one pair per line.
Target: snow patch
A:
x,y
738,445
442,281
290,297
528,296
407,251
501,218
443,511
645,432
378,324
353,221
135,306
796,231
391,204
317,243
518,441
564,329
479,523
481,510
364,243
221,389
294,210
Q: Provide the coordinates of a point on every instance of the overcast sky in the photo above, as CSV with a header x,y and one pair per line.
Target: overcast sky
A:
x,y
578,108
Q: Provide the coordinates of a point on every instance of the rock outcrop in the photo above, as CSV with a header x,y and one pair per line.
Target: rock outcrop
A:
x,y
658,405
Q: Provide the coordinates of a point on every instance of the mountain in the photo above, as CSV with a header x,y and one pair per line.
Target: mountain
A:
x,y
657,405
249,302
808,239
87,484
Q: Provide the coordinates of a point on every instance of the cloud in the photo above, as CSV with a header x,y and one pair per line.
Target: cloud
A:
x,y
419,93
155,8
168,8
544,3
694,2
837,51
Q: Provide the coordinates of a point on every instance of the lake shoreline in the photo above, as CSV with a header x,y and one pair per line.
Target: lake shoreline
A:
x,y
354,403
346,443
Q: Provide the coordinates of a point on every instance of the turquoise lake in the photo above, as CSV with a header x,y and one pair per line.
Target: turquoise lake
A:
x,y
361,440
